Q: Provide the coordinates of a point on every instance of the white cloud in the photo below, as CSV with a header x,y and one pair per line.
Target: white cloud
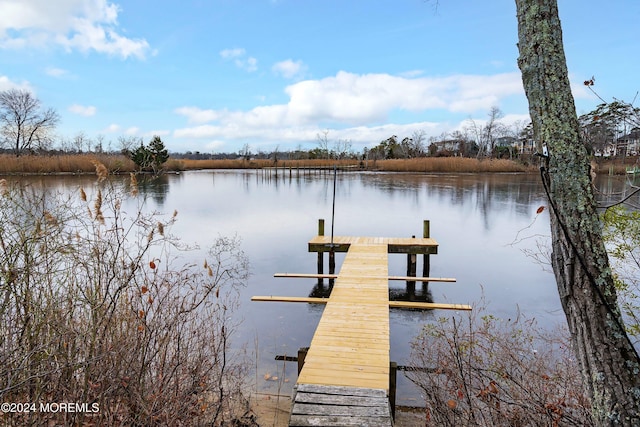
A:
x,y
132,131
289,68
6,83
357,105
83,110
160,133
73,24
112,128
251,64
196,115
232,53
56,72
238,55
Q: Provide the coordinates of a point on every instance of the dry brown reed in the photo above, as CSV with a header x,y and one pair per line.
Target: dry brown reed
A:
x,y
72,163
423,164
116,163
450,164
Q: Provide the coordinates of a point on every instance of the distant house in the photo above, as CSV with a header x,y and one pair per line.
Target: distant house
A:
x,y
505,141
449,146
629,143
525,146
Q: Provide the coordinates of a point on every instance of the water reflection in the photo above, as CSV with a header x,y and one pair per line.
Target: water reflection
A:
x,y
482,224
156,187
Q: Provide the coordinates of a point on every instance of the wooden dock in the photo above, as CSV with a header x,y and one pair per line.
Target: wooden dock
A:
x,y
346,377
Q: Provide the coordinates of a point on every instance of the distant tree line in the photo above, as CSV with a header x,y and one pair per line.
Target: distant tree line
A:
x,y
612,129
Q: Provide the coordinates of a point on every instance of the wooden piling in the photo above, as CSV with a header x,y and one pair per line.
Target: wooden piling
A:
x,y
302,354
393,377
426,261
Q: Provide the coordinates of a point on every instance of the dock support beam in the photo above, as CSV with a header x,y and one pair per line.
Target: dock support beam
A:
x,y
393,371
302,354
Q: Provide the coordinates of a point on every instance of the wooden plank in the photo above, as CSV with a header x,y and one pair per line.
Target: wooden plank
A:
x,y
337,399
343,380
429,305
343,391
423,279
336,349
392,304
345,275
306,275
272,298
377,410
331,421
394,244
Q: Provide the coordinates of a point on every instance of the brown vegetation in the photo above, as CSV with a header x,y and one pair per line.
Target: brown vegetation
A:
x,y
97,310
115,163
422,164
487,371
67,163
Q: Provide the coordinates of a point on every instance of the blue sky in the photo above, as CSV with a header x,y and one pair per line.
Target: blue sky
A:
x,y
214,75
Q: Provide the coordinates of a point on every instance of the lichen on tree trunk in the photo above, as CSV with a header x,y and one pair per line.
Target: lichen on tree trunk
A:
x,y
610,365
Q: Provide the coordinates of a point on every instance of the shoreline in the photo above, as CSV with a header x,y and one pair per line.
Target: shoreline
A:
x,y
117,164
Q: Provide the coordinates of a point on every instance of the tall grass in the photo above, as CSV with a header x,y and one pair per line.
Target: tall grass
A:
x,y
71,163
84,163
423,164
450,164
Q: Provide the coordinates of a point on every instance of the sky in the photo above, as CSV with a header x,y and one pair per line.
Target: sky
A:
x,y
218,75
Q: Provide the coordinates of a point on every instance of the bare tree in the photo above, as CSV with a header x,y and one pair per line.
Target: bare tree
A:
x,y
608,360
99,144
80,141
342,148
245,152
493,129
418,138
323,143
127,144
24,124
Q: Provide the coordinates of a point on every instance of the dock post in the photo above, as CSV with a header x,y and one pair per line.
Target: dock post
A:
x,y
393,371
320,253
332,262
411,272
302,354
426,261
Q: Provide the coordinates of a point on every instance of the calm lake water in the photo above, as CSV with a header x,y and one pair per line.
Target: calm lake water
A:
x,y
483,225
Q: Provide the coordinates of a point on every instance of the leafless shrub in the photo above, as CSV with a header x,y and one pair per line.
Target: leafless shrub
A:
x,y
486,371
96,309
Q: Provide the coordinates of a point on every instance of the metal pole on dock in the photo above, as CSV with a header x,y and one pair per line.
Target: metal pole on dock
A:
x,y
332,253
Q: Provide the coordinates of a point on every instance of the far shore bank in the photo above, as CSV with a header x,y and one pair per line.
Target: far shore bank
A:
x,y
119,164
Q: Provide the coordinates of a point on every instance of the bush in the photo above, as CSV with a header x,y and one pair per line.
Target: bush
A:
x,y
484,371
97,310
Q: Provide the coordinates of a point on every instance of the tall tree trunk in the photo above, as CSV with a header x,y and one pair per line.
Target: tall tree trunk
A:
x,y
609,363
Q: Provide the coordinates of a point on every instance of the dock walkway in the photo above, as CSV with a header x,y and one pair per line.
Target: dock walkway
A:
x,y
350,347
345,379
